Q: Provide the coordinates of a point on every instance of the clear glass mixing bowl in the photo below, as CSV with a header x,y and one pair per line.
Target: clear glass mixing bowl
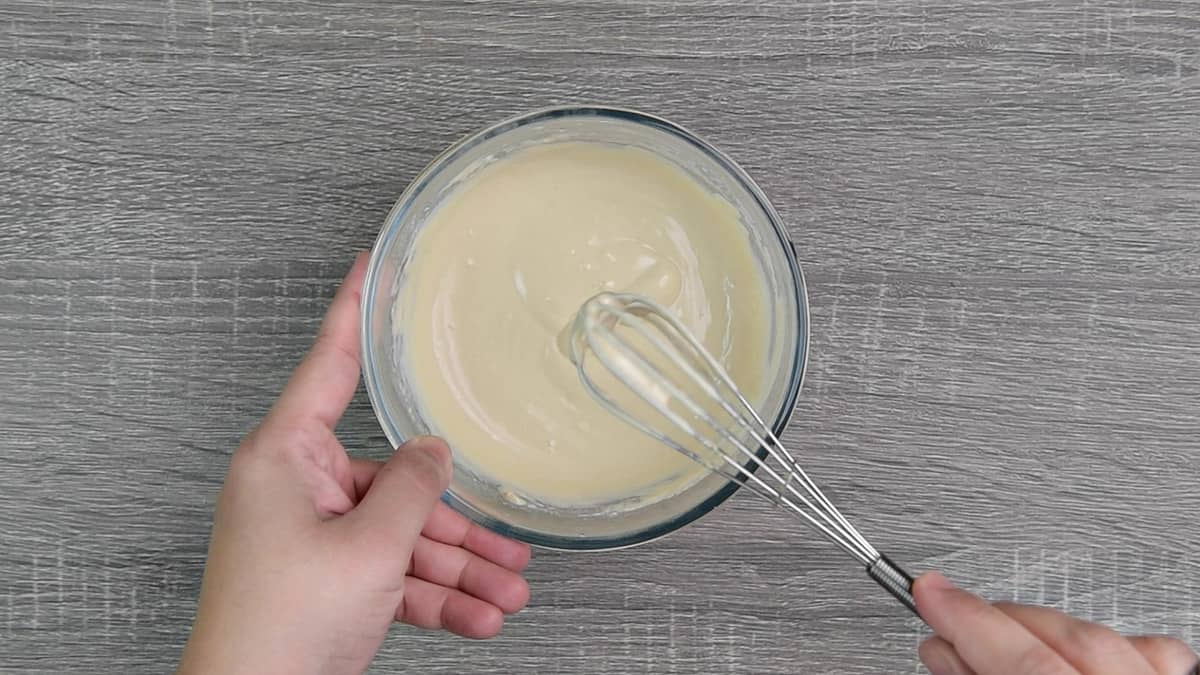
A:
x,y
397,404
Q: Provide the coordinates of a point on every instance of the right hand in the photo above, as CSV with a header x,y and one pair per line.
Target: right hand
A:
x,y
978,638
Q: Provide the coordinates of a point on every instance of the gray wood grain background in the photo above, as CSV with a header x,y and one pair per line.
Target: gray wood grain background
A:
x,y
997,203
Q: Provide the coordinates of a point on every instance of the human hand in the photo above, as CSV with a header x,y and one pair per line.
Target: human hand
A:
x,y
315,554
977,638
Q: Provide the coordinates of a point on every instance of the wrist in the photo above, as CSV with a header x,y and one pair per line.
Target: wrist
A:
x,y
236,652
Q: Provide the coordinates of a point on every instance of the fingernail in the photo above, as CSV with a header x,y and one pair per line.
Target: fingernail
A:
x,y
943,666
939,659
432,445
937,663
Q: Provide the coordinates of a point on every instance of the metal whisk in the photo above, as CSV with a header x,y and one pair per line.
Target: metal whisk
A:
x,y
665,366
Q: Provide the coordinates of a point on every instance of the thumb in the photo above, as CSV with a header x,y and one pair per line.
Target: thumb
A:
x,y
403,493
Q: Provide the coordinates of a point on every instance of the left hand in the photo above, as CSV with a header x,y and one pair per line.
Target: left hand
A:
x,y
314,554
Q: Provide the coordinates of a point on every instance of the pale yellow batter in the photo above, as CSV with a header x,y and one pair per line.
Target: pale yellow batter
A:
x,y
504,264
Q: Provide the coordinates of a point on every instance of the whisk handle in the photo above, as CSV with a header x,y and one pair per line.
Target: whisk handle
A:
x,y
894,580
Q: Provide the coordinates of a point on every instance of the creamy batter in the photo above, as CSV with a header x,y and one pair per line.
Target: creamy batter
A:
x,y
503,265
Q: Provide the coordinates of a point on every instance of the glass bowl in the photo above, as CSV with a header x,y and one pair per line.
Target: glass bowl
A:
x,y
397,405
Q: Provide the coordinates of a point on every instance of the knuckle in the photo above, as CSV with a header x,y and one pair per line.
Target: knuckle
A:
x,y
930,651
326,347
248,466
273,434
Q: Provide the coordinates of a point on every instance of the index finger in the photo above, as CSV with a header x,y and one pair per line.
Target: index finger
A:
x,y
987,639
323,384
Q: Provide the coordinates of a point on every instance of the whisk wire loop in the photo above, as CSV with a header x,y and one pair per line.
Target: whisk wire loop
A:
x,y
761,462
631,365
747,416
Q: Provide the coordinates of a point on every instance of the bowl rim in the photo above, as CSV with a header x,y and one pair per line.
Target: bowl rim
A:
x,y
628,115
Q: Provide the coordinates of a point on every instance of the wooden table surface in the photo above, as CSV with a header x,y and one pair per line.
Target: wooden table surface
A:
x,y
997,204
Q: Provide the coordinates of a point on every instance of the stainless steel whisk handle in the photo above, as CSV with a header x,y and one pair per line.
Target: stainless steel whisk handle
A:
x,y
894,580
